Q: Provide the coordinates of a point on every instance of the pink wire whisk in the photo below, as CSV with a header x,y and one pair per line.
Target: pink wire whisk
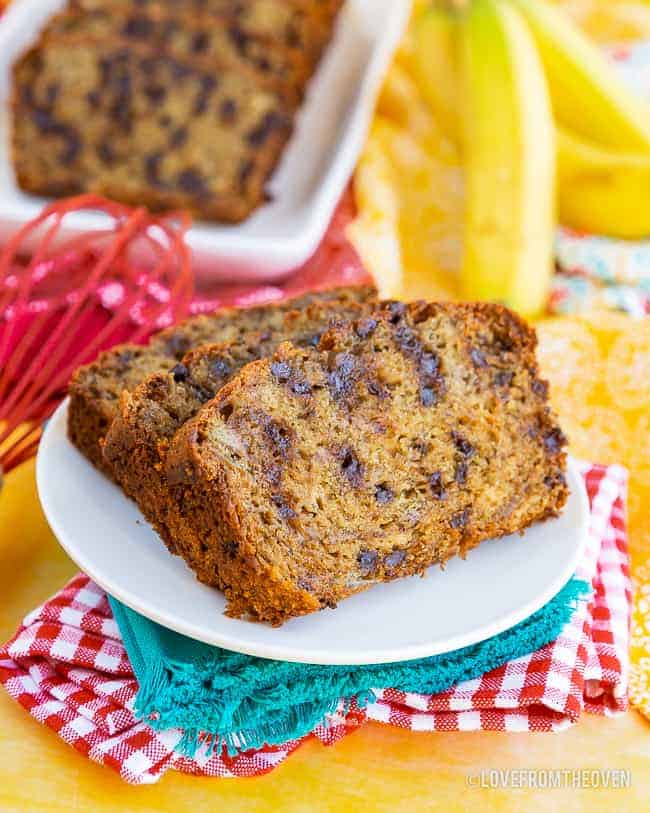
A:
x,y
64,298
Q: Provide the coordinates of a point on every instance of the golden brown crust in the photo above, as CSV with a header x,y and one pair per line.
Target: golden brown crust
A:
x,y
230,561
402,441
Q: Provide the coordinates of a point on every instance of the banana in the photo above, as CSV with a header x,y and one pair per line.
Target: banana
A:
x,y
375,231
509,154
435,63
588,96
602,191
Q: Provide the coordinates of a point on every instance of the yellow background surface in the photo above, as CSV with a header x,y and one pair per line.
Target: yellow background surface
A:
x,y
596,366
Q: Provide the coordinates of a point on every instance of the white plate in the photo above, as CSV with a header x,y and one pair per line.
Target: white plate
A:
x,y
316,164
499,584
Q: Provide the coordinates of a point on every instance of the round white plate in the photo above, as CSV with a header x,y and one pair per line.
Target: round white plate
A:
x,y
499,584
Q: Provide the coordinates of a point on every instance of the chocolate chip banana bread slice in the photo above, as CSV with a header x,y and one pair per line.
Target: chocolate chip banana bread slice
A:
x,y
138,438
95,388
305,25
401,441
202,40
145,128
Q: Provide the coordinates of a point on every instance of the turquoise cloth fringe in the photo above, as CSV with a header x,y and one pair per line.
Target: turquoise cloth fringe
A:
x,y
226,698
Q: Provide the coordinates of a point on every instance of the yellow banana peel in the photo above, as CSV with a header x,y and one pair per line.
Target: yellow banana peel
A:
x,y
587,94
375,231
509,155
435,64
601,190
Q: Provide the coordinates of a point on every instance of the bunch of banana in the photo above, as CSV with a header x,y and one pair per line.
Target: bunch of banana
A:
x,y
547,129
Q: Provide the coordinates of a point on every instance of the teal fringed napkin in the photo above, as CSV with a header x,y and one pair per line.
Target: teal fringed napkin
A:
x,y
222,697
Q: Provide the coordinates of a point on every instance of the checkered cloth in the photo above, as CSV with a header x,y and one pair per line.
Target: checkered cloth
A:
x,y
68,667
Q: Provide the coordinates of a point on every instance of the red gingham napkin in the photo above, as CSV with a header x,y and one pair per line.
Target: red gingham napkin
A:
x,y
68,667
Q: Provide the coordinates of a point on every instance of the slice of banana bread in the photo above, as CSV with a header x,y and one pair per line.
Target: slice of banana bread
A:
x,y
202,40
402,441
305,25
95,388
142,127
138,438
